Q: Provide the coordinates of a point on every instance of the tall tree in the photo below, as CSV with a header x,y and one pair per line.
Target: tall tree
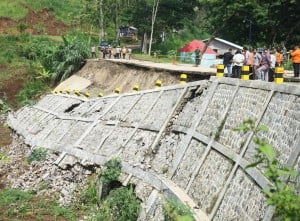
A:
x,y
101,20
262,22
154,13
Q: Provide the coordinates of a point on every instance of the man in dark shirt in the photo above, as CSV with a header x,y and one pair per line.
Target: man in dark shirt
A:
x,y
227,61
197,56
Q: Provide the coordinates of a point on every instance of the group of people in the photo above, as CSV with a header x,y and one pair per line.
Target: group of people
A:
x,y
109,52
261,62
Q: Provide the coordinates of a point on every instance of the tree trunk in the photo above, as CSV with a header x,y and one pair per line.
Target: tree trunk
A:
x,y
144,45
154,12
205,47
101,21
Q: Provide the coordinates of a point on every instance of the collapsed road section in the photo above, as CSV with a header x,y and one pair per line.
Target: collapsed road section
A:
x,y
179,140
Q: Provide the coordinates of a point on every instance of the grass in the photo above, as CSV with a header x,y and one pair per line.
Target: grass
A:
x,y
16,204
159,59
31,91
64,10
175,211
12,9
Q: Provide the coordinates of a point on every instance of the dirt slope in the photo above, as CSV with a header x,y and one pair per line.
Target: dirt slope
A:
x,y
107,75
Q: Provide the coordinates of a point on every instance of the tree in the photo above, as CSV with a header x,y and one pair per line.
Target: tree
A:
x,y
101,21
154,12
271,21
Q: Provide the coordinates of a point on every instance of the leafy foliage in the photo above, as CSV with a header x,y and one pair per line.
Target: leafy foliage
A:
x,y
67,58
4,106
120,205
112,171
38,154
175,211
31,90
264,18
88,197
282,190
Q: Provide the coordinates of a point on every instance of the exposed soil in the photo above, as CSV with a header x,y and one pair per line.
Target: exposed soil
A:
x,y
37,22
10,88
5,135
107,75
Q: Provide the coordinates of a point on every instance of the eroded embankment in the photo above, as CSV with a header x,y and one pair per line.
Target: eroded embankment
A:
x,y
176,140
106,75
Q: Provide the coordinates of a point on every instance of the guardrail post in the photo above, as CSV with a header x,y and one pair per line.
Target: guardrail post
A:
x,y
245,72
220,71
158,83
135,88
183,78
278,78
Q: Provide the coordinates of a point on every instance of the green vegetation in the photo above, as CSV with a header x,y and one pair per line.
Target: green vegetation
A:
x,y
64,10
3,157
88,197
112,171
120,205
38,154
282,193
30,92
175,211
12,9
16,204
4,106
67,58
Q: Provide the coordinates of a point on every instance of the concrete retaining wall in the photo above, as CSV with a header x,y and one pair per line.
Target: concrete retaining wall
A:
x,y
178,139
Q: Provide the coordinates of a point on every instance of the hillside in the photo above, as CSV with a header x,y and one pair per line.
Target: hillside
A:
x,y
37,23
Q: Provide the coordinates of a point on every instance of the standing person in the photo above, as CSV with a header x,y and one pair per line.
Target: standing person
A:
x,y
118,52
129,53
109,51
247,60
264,66
279,57
296,60
227,61
197,56
272,66
256,63
104,52
284,53
238,61
93,50
123,51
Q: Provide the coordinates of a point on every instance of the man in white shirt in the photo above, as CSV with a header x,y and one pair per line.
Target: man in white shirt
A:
x,y
272,66
238,61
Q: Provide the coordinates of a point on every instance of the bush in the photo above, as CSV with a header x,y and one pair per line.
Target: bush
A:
x,y
67,58
175,211
120,205
30,92
112,171
38,154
